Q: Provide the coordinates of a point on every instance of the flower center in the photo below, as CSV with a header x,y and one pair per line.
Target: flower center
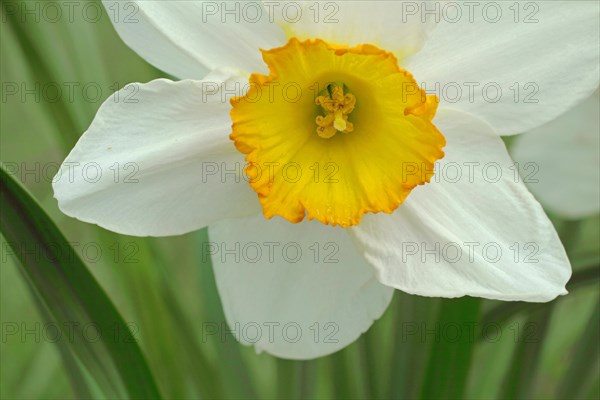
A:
x,y
380,140
338,107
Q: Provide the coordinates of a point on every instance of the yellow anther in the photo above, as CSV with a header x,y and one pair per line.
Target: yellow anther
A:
x,y
338,106
362,90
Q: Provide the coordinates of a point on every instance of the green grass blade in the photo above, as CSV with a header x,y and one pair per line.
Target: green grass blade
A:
x,y
80,386
308,378
344,385
450,359
296,379
412,316
232,364
287,379
585,354
205,377
40,68
97,333
520,376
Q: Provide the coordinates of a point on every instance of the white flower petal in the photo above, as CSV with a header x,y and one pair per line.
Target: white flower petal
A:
x,y
560,161
304,281
514,75
476,232
151,163
189,38
391,25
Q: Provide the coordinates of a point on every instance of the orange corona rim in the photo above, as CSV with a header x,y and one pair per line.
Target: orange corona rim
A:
x,y
334,132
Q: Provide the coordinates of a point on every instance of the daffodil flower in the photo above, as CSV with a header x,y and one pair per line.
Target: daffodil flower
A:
x,y
560,164
337,124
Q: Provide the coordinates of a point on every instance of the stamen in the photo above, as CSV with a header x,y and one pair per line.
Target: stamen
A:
x,y
274,130
338,106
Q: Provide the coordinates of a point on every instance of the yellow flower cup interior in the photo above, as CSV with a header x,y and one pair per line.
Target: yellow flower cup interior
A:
x,y
334,132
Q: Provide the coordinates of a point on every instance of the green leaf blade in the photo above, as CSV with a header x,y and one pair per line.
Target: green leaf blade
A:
x,y
96,332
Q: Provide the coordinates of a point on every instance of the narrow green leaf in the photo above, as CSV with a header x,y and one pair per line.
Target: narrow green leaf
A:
x,y
450,359
414,316
206,379
231,364
80,386
584,261
520,376
97,333
344,386
287,379
584,278
296,379
594,392
367,346
581,369
40,68
307,372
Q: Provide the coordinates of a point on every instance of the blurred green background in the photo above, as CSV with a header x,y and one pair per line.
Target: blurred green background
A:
x,y
165,292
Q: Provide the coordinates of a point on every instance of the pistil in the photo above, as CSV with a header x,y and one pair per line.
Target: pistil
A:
x,y
338,106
